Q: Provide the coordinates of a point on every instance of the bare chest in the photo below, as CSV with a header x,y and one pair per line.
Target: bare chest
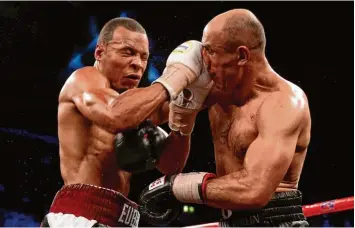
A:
x,y
234,128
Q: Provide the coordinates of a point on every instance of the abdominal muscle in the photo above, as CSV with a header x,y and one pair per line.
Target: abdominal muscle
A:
x,y
87,156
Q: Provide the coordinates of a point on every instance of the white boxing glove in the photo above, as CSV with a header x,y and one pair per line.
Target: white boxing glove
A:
x,y
184,109
183,66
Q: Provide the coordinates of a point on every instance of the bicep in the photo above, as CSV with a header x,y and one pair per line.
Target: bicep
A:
x,y
94,105
268,158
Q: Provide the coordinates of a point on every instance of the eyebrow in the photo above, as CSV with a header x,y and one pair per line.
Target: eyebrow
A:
x,y
213,48
206,45
128,46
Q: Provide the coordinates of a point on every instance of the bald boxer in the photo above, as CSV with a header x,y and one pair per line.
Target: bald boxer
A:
x,y
260,125
107,129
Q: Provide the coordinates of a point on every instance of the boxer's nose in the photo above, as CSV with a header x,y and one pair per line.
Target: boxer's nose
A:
x,y
137,63
211,71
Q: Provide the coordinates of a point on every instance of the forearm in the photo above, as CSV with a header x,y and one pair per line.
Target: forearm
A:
x,y
234,191
134,106
175,154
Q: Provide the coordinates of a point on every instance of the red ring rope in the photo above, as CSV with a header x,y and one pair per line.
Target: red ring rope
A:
x,y
330,206
326,207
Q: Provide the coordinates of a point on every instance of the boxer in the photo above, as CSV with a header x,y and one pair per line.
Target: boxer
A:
x,y
260,125
107,129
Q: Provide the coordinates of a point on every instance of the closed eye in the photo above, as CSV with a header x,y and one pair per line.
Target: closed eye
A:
x,y
144,57
128,51
208,50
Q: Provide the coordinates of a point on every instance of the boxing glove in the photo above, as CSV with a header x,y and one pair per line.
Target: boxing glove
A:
x,y
184,109
139,149
183,66
160,202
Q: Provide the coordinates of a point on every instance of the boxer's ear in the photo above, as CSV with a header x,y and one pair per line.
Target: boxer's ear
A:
x,y
243,54
99,51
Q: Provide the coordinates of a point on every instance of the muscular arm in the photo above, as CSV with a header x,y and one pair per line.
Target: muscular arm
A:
x,y
177,149
174,157
110,110
266,161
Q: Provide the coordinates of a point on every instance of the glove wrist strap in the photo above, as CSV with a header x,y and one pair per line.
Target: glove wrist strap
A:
x,y
169,89
182,120
191,187
175,78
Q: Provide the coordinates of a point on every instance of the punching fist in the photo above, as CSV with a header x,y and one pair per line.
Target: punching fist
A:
x,y
184,109
183,67
139,149
160,202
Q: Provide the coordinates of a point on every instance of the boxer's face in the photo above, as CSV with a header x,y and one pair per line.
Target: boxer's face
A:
x,y
223,65
124,58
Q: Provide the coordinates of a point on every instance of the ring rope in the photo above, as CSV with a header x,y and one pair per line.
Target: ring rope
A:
x,y
327,207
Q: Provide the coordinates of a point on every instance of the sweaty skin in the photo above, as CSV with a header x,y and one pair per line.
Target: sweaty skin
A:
x,y
91,112
260,147
260,123
89,116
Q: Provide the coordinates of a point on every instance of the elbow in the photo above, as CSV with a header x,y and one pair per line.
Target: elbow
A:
x,y
259,197
253,199
258,200
259,193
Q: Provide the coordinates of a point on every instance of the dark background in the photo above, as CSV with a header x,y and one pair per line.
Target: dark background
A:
x,y
41,43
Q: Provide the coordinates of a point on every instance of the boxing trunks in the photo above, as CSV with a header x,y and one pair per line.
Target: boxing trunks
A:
x,y
84,206
283,210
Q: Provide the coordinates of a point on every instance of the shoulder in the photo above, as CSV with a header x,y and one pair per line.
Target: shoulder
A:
x,y
89,76
289,97
287,108
83,79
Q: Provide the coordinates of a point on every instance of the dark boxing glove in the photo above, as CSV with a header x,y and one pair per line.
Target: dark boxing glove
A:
x,y
139,149
160,202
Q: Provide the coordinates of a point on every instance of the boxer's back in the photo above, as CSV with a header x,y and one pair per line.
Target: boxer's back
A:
x,y
235,128
86,149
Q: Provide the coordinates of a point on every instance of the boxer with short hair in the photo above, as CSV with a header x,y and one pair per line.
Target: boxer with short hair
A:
x,y
107,129
260,125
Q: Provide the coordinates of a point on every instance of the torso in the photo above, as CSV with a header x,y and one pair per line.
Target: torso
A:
x,y
86,150
234,129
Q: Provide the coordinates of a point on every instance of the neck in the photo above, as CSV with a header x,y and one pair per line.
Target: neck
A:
x,y
256,77
97,66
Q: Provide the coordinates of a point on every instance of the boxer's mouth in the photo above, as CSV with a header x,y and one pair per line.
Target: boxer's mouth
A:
x,y
133,76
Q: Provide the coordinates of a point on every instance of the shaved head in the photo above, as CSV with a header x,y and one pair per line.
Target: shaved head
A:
x,y
238,27
233,44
